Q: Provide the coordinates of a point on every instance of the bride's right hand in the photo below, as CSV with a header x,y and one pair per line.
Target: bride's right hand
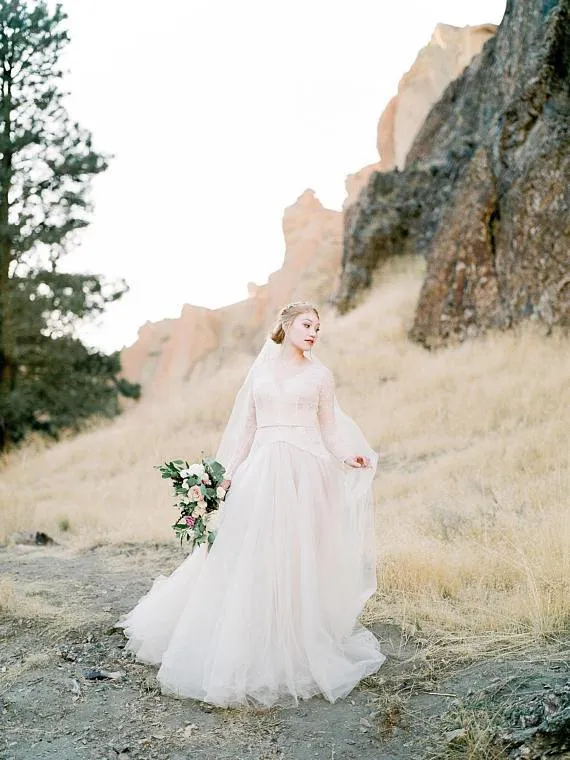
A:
x,y
357,461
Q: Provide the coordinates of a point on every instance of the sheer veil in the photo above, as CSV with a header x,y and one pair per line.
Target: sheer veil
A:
x,y
359,527
233,432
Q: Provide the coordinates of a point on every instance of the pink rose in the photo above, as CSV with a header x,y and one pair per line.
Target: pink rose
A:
x,y
190,521
195,493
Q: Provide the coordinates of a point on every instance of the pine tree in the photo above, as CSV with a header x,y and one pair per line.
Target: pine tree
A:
x,y
47,162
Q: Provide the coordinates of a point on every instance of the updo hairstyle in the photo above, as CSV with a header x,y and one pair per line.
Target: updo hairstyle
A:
x,y
286,317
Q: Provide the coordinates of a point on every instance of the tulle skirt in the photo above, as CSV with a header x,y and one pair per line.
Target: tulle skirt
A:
x,y
269,615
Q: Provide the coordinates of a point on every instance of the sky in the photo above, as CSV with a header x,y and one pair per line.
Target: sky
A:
x,y
218,115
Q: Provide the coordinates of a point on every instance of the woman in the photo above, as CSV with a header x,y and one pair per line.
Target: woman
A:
x,y
269,615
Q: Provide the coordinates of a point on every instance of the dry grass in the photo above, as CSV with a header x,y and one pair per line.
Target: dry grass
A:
x,y
33,661
37,605
476,740
473,487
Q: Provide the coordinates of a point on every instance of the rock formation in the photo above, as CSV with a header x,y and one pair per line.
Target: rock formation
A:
x,y
484,194
448,52
167,352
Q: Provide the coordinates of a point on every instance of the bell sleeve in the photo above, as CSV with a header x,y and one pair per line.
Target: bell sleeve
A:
x,y
328,423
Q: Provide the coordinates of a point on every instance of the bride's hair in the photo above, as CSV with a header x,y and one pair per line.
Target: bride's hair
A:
x,y
287,315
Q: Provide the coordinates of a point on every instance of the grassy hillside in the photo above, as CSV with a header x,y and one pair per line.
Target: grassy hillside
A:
x,y
472,492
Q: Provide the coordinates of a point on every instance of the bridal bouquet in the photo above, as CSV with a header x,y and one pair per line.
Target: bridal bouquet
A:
x,y
198,492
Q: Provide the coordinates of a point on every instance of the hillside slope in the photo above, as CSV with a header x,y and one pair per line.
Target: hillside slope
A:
x,y
472,488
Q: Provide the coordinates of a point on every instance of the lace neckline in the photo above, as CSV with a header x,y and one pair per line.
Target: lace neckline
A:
x,y
275,362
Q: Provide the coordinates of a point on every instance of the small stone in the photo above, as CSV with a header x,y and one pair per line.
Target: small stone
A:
x,y
75,687
95,674
31,538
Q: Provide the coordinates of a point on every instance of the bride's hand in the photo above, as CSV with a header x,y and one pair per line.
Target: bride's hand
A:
x,y
357,461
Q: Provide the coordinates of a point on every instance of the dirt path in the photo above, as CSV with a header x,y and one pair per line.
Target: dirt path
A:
x,y
49,709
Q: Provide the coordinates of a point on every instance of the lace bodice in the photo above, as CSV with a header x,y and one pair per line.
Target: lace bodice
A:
x,y
302,400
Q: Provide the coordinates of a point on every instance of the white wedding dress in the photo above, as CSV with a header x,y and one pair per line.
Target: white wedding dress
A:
x,y
269,615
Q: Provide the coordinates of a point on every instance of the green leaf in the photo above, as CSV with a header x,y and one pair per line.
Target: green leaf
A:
x,y
217,471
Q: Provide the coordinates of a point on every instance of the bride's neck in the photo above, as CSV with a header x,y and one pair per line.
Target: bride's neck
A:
x,y
290,353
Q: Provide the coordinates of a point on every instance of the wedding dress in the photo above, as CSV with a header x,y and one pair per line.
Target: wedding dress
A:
x,y
269,614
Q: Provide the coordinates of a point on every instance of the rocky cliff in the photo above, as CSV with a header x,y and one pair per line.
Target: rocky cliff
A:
x,y
446,55
167,352
484,193
449,51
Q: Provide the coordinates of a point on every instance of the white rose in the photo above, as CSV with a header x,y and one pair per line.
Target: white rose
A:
x,y
196,469
184,474
206,480
220,492
200,510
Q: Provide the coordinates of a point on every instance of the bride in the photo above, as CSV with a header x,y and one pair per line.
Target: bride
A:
x,y
269,614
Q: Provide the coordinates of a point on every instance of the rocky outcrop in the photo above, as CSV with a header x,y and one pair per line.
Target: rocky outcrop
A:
x,y
166,353
387,138
484,194
448,52
161,354
313,246
355,182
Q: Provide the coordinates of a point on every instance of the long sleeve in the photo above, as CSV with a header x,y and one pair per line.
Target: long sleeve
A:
x,y
244,437
327,419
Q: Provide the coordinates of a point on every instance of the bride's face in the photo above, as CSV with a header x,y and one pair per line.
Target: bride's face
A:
x,y
304,331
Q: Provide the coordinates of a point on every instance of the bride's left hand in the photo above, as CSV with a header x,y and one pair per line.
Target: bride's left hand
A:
x,y
357,461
